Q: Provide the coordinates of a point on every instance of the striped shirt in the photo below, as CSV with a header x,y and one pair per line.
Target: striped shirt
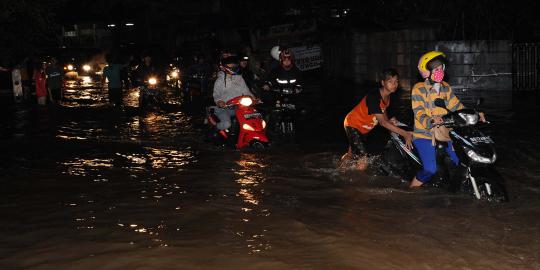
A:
x,y
422,101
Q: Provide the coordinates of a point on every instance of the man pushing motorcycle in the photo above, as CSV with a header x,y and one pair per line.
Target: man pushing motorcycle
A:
x,y
367,114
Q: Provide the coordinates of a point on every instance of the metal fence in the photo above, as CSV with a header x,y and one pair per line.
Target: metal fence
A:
x,y
526,66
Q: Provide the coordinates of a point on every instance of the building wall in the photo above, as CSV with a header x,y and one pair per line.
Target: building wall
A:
x,y
475,69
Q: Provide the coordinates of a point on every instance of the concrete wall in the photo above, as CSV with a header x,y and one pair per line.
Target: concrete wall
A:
x,y
476,68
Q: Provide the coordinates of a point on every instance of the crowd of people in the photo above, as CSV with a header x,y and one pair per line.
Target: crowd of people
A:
x,y
41,79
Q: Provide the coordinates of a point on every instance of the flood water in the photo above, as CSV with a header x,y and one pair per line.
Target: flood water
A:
x,y
87,186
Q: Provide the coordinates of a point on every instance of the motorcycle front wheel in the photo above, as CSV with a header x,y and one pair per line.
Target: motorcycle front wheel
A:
x,y
489,184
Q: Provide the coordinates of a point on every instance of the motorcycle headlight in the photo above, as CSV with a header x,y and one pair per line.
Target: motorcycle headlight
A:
x,y
70,67
248,127
87,68
246,101
470,118
174,74
152,81
480,159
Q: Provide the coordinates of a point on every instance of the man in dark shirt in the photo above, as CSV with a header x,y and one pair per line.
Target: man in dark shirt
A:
x,y
285,71
54,81
113,73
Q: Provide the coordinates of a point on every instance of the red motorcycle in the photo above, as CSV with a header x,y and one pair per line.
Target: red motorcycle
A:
x,y
247,128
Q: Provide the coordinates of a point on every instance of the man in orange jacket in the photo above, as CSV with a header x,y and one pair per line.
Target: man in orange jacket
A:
x,y
367,114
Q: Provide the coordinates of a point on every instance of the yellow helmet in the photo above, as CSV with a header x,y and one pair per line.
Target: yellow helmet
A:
x,y
425,59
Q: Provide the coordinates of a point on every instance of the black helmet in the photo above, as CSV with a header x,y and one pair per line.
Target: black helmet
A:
x,y
229,64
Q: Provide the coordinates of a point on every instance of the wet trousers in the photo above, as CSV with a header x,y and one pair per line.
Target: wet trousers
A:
x,y
428,155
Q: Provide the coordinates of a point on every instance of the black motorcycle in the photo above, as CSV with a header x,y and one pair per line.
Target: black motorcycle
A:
x,y
151,92
284,111
476,172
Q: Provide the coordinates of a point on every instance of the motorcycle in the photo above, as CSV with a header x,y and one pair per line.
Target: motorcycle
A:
x,y
173,77
476,173
247,127
150,92
284,112
195,85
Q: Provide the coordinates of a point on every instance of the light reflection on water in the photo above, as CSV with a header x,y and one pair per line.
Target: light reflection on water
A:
x,y
250,176
151,158
152,126
144,189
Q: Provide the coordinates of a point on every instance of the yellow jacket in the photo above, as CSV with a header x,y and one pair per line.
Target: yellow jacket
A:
x,y
422,101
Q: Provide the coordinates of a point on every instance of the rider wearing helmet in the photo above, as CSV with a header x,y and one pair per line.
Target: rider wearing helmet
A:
x,y
228,85
245,71
431,66
286,69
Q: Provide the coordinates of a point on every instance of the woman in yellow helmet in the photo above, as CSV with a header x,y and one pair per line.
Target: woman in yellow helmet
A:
x,y
431,66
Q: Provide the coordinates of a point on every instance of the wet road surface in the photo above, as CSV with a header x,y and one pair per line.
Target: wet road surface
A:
x,y
88,186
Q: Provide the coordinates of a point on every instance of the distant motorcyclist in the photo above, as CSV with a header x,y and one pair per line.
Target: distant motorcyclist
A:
x,y
199,72
286,70
229,84
146,69
199,66
371,110
246,72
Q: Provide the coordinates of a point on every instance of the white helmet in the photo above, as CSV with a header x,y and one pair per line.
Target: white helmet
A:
x,y
274,52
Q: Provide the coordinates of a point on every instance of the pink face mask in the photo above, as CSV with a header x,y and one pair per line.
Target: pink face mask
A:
x,y
437,75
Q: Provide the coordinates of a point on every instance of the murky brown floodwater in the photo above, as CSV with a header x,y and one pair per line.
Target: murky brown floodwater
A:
x,y
86,186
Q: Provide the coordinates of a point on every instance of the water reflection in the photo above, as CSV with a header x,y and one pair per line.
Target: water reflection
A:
x,y
85,167
145,176
150,158
250,175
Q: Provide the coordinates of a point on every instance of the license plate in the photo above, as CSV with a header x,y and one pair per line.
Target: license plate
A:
x,y
484,139
252,115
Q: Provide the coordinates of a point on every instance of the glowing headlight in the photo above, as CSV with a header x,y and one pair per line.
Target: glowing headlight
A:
x,y
480,159
70,67
246,101
248,127
263,124
174,74
87,68
152,81
470,118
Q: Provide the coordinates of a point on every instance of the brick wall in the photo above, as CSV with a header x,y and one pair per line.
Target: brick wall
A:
x,y
475,69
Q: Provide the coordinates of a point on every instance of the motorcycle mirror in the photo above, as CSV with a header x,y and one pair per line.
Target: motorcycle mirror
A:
x,y
440,103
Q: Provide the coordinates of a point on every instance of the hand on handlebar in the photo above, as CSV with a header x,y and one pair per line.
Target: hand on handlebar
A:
x,y
437,120
408,140
221,103
482,117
